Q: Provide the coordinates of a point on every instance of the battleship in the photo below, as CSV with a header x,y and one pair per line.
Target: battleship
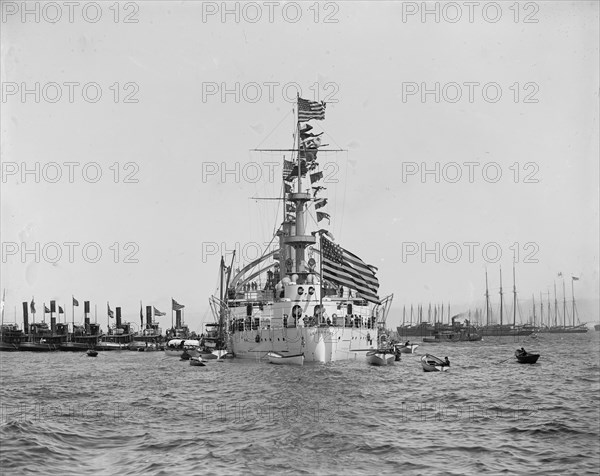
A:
x,y
308,296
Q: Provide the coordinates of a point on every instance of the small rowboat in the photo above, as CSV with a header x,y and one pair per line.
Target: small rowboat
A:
x,y
431,363
197,362
280,359
380,357
407,349
92,353
525,357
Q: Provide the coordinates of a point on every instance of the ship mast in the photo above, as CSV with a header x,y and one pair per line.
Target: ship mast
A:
x,y
564,305
541,310
514,297
555,307
549,309
573,294
533,300
487,301
501,297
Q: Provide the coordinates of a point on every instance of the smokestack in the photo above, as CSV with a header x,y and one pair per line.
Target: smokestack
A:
x,y
52,306
86,319
148,317
118,311
178,319
25,318
53,324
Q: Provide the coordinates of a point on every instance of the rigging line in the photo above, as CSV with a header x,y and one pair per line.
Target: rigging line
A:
x,y
273,130
279,203
344,195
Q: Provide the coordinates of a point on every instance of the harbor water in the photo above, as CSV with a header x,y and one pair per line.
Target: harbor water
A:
x,y
145,413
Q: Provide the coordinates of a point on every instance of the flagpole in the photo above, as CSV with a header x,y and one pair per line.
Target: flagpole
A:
x,y
172,327
573,294
321,281
44,304
73,312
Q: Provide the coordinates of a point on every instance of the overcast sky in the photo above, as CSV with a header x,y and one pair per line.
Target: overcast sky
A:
x,y
517,93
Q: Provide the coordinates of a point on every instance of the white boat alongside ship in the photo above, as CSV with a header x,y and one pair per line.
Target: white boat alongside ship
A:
x,y
176,347
406,348
280,359
380,357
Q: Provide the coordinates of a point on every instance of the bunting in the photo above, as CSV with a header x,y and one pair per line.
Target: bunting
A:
x,y
308,154
304,131
316,177
320,203
317,190
294,172
323,215
313,142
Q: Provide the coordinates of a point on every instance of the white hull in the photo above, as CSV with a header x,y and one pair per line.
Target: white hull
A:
x,y
407,349
380,358
318,344
433,364
280,359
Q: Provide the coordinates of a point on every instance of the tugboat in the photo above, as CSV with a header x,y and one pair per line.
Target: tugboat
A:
x,y
10,337
309,296
150,337
118,337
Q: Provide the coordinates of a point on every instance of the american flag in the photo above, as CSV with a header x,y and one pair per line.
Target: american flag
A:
x,y
288,166
308,110
109,311
346,269
158,313
176,306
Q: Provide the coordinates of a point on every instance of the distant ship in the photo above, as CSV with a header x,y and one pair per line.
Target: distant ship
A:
x,y
574,328
502,329
308,296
